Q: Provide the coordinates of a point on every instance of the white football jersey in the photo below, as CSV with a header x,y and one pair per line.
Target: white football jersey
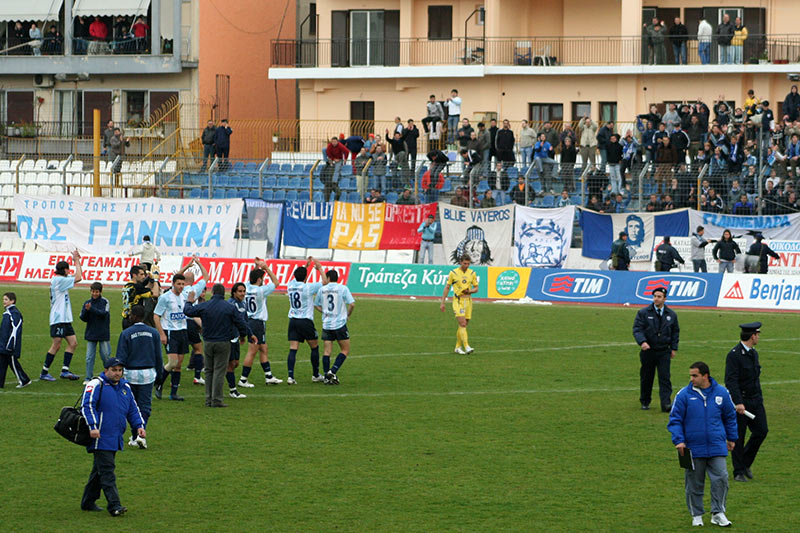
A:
x,y
301,298
334,299
256,300
60,308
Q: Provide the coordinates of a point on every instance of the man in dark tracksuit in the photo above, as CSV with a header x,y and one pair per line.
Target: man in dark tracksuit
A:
x,y
139,350
219,320
222,143
108,406
666,256
742,379
208,143
11,341
657,332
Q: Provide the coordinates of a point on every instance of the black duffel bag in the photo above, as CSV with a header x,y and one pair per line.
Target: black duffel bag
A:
x,y
72,425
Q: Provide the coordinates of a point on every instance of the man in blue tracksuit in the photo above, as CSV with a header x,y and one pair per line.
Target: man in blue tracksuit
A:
x,y
11,341
108,406
703,420
139,351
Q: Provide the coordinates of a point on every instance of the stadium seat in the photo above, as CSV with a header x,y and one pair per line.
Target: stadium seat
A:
x,y
218,193
537,186
231,193
238,166
270,182
347,170
267,195
299,170
448,186
242,193
483,186
391,198
41,164
195,193
283,182
273,168
294,183
5,164
286,168
251,167
512,173
353,197
318,185
279,196
305,184
253,193
344,183
548,201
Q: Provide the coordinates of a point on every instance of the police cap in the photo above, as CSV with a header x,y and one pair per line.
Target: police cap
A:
x,y
751,327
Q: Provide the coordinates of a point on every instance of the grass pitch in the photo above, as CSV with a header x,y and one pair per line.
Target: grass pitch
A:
x,y
539,429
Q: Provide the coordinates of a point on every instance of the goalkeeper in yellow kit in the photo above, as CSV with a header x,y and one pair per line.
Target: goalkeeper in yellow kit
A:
x,y
465,284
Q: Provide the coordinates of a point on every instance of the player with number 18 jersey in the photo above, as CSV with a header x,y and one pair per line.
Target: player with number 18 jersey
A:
x,y
301,318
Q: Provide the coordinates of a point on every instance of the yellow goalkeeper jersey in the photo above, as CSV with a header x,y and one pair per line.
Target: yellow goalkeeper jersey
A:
x,y
462,282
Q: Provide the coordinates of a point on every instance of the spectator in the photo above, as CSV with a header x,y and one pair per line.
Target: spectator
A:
x,y
439,162
603,138
658,36
410,136
116,149
680,140
588,140
743,206
484,143
499,177
770,199
207,138
53,42
791,104
80,32
473,164
98,31
671,118
140,29
725,252
667,204
504,144
435,113
107,134
650,143
698,245
336,154
564,200
614,151
674,191
428,234
459,199
35,34
95,312
492,140
790,204
354,144
550,136
725,33
736,157
735,192
715,202
620,204
122,35
399,150
654,205
406,198
666,159
679,34
541,157
751,103
704,203
527,138
379,160
519,192
696,134
18,37
453,105
594,203
653,116
722,114
737,43
361,161
718,166
567,166
488,200
398,128
222,144
464,133
374,197
566,133
473,143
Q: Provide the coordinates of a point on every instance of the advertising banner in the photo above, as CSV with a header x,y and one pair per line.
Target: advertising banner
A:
x,y
542,237
783,227
507,283
307,224
110,270
115,225
406,280
789,263
401,223
634,288
10,265
237,270
760,291
483,234
265,223
600,230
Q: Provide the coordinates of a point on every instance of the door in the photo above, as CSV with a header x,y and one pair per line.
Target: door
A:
x,y
19,107
755,20
362,118
340,35
648,14
367,38
95,100
391,32
668,14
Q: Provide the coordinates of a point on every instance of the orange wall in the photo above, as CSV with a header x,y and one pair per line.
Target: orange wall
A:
x,y
236,42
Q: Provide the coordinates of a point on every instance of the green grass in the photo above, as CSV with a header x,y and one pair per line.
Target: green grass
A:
x,y
539,429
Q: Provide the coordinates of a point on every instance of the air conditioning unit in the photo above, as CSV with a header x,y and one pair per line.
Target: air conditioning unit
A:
x,y
44,81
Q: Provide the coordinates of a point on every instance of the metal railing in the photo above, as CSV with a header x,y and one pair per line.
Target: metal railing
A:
x,y
521,51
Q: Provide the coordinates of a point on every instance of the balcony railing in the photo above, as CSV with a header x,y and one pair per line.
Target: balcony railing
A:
x,y
520,51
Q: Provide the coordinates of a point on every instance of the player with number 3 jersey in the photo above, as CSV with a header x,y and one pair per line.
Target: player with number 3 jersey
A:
x,y
301,318
255,300
336,304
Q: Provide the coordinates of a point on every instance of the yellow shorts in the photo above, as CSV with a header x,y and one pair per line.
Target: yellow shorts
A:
x,y
462,306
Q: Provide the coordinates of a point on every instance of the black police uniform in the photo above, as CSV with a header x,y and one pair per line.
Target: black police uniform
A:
x,y
662,333
666,256
742,379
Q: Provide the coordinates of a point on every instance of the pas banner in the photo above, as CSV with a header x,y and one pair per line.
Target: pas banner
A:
x,y
264,223
600,230
760,291
406,280
113,270
356,226
782,227
115,225
542,237
483,234
228,271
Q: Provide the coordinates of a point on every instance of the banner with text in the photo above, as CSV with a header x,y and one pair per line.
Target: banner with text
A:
x,y
307,224
115,225
483,234
400,224
542,237
760,291
785,227
356,226
232,270
507,283
10,265
265,223
113,270
600,230
406,280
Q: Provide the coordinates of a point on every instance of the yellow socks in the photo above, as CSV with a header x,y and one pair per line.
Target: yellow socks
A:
x,y
461,334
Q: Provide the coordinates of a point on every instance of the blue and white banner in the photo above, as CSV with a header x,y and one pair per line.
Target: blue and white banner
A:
x,y
307,224
265,223
115,225
483,234
784,227
600,230
542,237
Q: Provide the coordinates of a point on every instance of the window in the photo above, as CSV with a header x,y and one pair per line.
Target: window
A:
x,y
312,18
546,112
440,23
362,118
581,109
95,100
135,107
19,107
608,111
70,111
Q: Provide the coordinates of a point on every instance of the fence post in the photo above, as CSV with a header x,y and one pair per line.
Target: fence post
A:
x,y
96,192
64,174
211,168
16,171
261,177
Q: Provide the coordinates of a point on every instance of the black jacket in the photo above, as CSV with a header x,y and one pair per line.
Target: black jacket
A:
x,y
614,153
727,250
504,140
410,136
762,251
667,255
98,320
437,156
679,139
603,137
221,320
742,371
725,32
661,333
678,34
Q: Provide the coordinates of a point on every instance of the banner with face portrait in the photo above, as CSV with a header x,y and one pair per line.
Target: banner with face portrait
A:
x,y
542,237
600,230
483,234
265,223
640,228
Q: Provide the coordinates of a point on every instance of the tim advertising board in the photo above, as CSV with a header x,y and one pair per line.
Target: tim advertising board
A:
x,y
681,289
759,291
575,286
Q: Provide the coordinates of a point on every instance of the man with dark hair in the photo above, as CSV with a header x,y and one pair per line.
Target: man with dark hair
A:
x,y
336,304
620,255
705,428
301,318
139,351
95,312
238,292
504,144
222,143
219,319
256,303
11,341
61,318
138,288
148,253
743,380
759,249
656,331
464,282
698,246
666,256
435,113
207,138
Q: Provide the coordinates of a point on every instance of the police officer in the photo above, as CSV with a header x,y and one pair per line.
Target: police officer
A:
x,y
657,332
620,255
742,371
666,256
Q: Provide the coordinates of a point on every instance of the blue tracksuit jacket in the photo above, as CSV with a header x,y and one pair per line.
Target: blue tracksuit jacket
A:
x,y
703,420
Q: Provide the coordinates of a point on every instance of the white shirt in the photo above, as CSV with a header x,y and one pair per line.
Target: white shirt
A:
x,y
704,32
170,310
256,300
454,106
301,298
334,299
60,308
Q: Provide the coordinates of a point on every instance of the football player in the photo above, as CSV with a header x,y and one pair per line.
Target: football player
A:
x,y
464,283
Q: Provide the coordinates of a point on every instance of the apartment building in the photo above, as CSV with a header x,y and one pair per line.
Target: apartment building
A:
x,y
524,59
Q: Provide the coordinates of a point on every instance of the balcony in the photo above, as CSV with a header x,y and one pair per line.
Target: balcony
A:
x,y
525,54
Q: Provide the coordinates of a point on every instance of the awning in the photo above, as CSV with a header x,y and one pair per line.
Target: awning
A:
x,y
12,11
105,8
167,18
